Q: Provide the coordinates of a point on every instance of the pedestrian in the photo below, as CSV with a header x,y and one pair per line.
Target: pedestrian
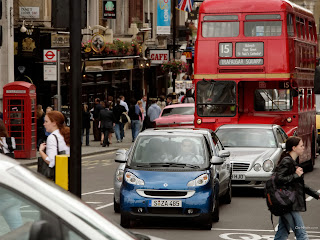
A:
x,y
169,101
189,97
144,100
41,137
103,106
1,115
7,143
46,133
57,141
96,110
107,121
153,113
134,113
142,116
123,103
119,125
290,176
161,103
85,123
111,109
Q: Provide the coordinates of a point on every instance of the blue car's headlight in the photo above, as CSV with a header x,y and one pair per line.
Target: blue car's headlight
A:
x,y
133,179
199,181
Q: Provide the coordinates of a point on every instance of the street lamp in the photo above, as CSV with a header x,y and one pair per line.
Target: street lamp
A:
x,y
143,63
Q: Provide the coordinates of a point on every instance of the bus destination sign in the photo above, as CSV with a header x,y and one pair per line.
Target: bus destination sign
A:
x,y
249,49
242,61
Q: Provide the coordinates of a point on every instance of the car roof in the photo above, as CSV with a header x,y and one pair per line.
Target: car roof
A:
x,y
180,105
177,131
238,126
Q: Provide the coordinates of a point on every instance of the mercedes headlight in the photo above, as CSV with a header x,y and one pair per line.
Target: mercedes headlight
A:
x,y
268,165
133,179
199,181
257,167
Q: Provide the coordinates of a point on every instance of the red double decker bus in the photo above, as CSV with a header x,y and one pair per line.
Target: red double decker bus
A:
x,y
255,63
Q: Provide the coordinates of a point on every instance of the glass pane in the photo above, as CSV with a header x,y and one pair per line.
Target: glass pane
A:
x,y
263,17
220,29
219,18
16,102
272,100
263,28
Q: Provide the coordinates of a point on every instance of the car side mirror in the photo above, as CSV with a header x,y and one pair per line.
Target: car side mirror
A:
x,y
283,146
41,230
224,153
121,156
216,160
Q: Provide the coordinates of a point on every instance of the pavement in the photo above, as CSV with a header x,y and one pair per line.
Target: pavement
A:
x,y
94,147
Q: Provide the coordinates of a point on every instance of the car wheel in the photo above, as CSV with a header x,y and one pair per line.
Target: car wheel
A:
x,y
207,223
125,221
228,195
116,206
215,214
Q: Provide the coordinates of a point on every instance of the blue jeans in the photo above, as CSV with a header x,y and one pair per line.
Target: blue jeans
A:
x,y
87,136
292,220
118,129
135,128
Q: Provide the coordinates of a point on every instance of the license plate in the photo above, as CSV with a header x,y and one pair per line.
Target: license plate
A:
x,y
237,176
165,203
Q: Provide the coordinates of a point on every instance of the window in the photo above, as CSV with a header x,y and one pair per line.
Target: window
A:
x,y
272,100
178,110
262,28
18,215
216,98
303,28
290,27
301,99
309,99
220,29
298,27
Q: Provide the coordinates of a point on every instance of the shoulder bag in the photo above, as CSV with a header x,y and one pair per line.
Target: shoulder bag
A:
x,y
44,168
10,148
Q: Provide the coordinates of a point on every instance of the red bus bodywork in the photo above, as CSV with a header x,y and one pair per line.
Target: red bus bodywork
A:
x,y
264,51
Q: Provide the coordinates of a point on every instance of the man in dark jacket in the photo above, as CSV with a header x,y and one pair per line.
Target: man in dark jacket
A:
x,y
96,111
119,124
107,120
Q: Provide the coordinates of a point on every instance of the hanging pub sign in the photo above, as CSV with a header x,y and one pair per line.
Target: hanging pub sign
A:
x,y
109,9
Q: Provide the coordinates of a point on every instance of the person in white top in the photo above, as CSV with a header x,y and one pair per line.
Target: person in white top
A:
x,y
54,123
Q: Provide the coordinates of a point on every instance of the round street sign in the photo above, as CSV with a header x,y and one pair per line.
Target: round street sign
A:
x,y
49,55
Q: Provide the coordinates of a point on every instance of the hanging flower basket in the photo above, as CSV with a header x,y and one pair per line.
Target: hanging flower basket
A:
x,y
174,66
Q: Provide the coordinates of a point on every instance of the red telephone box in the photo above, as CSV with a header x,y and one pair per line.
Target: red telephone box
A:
x,y
19,115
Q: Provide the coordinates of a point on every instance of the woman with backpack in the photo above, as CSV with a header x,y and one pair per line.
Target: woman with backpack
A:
x,y
290,176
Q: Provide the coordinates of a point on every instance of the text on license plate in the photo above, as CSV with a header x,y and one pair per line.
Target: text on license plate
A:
x,y
165,203
237,176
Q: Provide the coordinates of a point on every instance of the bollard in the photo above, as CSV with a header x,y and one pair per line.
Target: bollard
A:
x,y
62,174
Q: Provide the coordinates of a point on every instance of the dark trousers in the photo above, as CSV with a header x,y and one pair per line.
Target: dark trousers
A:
x,y
96,130
106,134
87,135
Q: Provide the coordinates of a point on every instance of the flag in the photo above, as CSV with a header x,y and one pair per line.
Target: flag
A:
x,y
185,5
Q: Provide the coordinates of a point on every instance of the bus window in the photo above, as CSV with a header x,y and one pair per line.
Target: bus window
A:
x,y
301,99
272,100
298,26
303,29
290,28
216,98
310,31
262,28
220,29
309,99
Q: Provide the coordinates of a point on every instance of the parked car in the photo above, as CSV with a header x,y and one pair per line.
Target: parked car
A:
x,y
177,115
32,207
173,173
255,150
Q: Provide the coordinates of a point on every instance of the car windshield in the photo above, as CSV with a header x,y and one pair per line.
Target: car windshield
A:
x,y
178,110
247,137
169,151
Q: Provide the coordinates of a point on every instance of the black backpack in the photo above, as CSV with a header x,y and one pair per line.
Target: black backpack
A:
x,y
279,199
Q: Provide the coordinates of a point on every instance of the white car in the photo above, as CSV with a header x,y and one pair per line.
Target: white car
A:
x,y
32,207
255,150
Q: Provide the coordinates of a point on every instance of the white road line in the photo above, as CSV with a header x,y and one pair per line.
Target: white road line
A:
x,y
107,193
108,205
108,189
310,198
106,153
253,230
93,202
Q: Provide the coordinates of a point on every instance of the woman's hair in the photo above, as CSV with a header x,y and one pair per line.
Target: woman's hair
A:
x,y
3,130
58,118
291,142
139,102
39,111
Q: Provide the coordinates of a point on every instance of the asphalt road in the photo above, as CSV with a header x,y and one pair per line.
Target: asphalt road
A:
x,y
246,218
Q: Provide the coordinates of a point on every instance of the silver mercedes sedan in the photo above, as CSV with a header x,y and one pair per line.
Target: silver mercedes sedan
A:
x,y
255,150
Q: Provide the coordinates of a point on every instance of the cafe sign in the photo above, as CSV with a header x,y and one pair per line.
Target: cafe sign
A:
x,y
159,56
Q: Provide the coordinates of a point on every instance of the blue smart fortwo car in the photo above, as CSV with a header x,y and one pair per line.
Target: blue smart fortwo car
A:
x,y
175,173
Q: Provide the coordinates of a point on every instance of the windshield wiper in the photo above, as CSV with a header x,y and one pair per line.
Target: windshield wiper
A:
x,y
167,165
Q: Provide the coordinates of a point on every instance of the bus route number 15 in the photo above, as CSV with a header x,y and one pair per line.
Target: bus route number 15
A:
x,y
225,49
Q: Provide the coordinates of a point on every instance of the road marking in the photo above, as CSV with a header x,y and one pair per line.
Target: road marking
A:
x,y
108,205
94,202
95,155
252,230
108,189
108,193
310,198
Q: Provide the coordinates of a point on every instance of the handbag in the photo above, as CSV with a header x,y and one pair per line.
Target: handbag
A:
x,y
125,118
43,167
11,146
